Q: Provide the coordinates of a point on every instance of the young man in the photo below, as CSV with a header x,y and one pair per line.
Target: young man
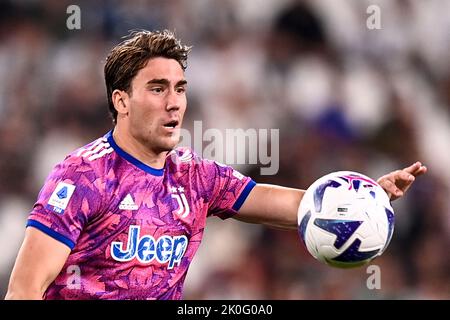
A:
x,y
122,217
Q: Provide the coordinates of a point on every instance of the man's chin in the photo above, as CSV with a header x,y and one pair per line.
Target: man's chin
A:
x,y
169,145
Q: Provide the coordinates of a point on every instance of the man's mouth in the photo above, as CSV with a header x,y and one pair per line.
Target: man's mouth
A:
x,y
171,124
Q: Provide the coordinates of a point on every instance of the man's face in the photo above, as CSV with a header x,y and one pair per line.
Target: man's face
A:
x,y
157,104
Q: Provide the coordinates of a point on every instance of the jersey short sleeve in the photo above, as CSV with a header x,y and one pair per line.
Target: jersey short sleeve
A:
x,y
229,188
68,199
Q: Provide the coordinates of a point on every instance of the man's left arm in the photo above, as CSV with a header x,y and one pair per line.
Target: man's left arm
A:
x,y
277,206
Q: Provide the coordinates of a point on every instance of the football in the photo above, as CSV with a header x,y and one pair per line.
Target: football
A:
x,y
345,219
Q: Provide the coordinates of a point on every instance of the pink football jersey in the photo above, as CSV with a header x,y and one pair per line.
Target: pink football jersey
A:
x,y
133,230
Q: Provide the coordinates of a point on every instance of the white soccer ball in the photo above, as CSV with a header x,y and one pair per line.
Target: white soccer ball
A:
x,y
345,219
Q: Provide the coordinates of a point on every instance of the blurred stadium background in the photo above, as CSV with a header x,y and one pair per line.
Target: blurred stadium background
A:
x,y
344,98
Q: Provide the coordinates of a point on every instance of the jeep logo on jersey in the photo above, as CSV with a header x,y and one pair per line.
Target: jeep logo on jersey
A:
x,y
165,249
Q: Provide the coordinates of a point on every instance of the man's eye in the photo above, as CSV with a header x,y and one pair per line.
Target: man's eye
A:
x,y
181,90
157,89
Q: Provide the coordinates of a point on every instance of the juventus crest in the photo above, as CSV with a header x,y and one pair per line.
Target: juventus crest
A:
x,y
180,197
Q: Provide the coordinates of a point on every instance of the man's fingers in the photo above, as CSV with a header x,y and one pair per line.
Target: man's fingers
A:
x,y
391,188
420,171
416,169
413,168
398,182
405,176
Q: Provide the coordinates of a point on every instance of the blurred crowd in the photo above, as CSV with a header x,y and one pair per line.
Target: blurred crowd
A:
x,y
344,97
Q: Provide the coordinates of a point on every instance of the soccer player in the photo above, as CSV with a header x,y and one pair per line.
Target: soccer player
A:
x,y
123,216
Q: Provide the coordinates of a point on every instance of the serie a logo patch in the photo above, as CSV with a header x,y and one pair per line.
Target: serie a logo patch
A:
x,y
60,197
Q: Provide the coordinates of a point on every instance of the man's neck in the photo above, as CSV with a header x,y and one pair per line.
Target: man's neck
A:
x,y
137,149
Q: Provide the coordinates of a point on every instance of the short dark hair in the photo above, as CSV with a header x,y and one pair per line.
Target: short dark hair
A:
x,y
128,57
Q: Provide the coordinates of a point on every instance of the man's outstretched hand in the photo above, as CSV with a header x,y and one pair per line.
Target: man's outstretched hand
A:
x,y
397,182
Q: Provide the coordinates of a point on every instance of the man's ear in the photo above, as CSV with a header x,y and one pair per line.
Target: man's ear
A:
x,y
120,101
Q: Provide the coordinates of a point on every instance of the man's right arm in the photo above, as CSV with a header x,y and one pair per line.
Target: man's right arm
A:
x,y
39,261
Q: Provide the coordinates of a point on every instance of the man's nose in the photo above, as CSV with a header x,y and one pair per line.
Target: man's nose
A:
x,y
173,100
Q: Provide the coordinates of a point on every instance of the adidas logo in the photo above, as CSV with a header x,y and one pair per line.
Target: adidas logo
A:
x,y
128,203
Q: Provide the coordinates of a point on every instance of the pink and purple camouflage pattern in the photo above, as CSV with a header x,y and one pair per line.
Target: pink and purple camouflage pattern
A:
x,y
133,230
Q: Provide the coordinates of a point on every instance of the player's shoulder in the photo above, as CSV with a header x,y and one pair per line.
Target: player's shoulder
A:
x,y
183,155
91,156
94,150
186,158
